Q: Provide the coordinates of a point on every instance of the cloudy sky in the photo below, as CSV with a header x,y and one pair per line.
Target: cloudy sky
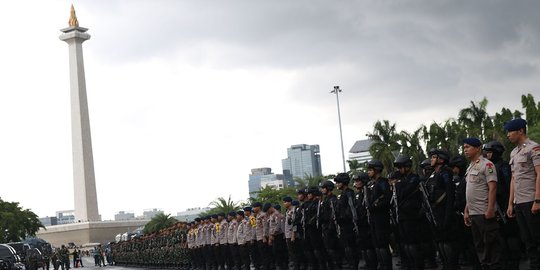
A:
x,y
187,96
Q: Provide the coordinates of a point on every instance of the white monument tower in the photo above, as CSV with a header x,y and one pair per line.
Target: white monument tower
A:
x,y
84,182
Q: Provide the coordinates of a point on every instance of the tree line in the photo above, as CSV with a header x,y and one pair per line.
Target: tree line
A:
x,y
388,142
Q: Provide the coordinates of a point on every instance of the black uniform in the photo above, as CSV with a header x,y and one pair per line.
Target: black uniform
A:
x,y
379,195
441,192
313,233
365,243
348,226
512,244
328,224
409,217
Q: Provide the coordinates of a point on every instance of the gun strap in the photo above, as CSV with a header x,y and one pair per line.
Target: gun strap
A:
x,y
439,200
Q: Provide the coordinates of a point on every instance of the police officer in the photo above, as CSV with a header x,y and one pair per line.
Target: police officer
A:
x,y
428,247
379,195
222,241
313,236
441,192
524,196
480,209
365,243
250,241
329,225
276,236
242,238
408,216
512,245
233,242
305,256
290,230
347,220
458,165
260,233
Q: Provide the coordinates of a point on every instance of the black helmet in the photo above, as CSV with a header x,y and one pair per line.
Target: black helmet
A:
x,y
362,177
494,146
403,161
342,178
425,163
328,185
394,175
375,164
457,161
312,190
444,155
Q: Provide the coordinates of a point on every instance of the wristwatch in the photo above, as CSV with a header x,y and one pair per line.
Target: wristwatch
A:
x,y
536,200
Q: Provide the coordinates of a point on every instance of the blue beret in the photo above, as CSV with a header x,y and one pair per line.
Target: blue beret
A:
x,y
247,208
515,124
277,207
301,191
266,206
295,203
197,219
214,216
240,213
221,214
232,213
473,142
256,204
287,199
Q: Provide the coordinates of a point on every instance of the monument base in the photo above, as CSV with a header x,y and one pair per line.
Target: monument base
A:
x,y
87,232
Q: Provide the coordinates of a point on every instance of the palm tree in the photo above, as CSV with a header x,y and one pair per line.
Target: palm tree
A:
x,y
309,181
159,222
222,205
355,166
385,143
411,145
475,119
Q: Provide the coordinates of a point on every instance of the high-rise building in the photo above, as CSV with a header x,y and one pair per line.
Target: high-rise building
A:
x,y
302,160
151,213
191,213
262,177
360,151
122,215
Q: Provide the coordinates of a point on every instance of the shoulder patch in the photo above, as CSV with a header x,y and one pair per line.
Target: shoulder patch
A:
x,y
535,151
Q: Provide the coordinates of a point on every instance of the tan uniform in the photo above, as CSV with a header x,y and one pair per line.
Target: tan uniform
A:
x,y
523,159
231,232
275,223
260,225
222,233
479,174
214,230
242,233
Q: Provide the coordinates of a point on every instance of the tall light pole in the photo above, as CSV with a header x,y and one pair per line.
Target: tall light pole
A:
x,y
336,91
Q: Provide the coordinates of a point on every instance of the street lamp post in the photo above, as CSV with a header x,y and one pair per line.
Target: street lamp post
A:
x,y
337,91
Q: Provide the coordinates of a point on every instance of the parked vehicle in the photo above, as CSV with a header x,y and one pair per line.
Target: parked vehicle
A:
x,y
10,259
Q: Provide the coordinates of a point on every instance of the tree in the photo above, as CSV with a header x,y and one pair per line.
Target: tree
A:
x,y
17,223
272,195
385,145
220,205
159,222
475,119
532,112
309,181
355,166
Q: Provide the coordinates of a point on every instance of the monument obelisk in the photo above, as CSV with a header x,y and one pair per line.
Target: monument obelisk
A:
x,y
84,182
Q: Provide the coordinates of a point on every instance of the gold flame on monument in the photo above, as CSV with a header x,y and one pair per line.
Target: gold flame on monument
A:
x,y
73,22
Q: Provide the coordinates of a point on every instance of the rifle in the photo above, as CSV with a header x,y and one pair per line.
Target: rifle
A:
x,y
427,206
303,220
366,205
502,216
319,202
353,211
394,201
338,229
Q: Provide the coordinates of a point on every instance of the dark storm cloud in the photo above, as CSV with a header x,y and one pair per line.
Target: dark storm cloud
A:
x,y
434,49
